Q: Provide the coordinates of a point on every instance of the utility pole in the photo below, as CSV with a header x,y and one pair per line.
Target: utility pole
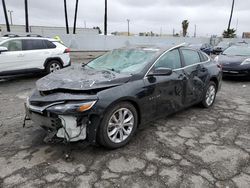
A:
x,y
6,16
195,31
76,10
66,16
231,15
105,17
11,21
128,26
26,16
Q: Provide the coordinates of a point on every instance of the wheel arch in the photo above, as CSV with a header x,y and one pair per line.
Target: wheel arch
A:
x,y
96,119
51,59
216,81
130,100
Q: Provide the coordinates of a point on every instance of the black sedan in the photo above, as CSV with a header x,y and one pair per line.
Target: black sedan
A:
x,y
108,99
235,61
207,48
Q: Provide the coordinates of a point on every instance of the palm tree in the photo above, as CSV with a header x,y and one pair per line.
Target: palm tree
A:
x,y
185,25
66,16
231,15
229,33
6,16
76,9
26,16
105,18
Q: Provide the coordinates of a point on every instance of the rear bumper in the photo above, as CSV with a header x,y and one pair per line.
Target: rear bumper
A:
x,y
69,64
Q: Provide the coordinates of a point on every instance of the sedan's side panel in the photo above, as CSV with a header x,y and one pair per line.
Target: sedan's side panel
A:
x,y
168,92
135,91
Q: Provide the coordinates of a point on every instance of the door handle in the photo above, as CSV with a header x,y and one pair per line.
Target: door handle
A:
x,y
203,69
182,77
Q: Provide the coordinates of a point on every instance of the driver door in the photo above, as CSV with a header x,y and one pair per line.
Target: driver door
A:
x,y
168,92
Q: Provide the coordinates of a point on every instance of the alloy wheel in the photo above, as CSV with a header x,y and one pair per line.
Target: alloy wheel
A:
x,y
54,67
210,95
120,125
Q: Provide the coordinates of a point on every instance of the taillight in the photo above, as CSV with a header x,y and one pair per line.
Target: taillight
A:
x,y
67,50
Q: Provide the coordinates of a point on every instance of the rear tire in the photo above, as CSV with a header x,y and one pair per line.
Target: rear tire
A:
x,y
118,126
209,95
53,66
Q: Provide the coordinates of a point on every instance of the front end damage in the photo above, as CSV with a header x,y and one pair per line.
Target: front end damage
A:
x,y
67,119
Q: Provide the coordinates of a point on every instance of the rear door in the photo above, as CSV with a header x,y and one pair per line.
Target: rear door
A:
x,y
35,53
195,73
167,90
13,59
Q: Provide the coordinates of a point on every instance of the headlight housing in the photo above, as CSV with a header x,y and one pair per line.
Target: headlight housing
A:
x,y
246,62
72,107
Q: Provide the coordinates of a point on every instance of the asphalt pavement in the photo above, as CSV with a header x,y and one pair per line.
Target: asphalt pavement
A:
x,y
193,148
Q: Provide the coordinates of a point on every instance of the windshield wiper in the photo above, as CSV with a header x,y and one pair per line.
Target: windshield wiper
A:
x,y
111,69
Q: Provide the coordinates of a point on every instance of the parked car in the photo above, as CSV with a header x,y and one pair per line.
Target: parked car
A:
x,y
235,61
207,48
108,99
20,55
221,47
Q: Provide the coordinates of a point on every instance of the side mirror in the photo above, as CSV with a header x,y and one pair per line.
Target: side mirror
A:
x,y
3,49
160,72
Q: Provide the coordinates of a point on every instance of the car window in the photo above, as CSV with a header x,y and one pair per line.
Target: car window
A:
x,y
190,57
32,44
237,51
170,60
203,57
13,45
49,44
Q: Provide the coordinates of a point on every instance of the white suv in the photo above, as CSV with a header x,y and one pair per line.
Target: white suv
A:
x,y
19,55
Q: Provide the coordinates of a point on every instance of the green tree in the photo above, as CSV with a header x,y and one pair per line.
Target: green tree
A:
x,y
185,25
229,33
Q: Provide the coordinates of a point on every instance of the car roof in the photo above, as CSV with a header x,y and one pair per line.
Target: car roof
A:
x,y
23,38
156,47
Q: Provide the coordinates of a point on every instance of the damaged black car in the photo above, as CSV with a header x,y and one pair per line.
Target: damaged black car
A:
x,y
105,101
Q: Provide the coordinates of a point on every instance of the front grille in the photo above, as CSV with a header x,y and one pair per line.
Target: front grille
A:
x,y
39,103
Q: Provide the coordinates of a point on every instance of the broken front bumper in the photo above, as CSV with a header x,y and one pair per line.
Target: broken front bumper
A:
x,y
69,127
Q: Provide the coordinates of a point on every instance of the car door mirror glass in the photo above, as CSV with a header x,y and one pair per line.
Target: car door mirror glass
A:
x,y
160,72
3,49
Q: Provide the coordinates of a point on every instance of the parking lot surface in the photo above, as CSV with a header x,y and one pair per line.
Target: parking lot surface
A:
x,y
193,148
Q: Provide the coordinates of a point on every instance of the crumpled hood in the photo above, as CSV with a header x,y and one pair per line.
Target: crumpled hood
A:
x,y
231,60
81,79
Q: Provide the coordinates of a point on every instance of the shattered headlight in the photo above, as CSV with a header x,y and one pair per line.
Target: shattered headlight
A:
x,y
72,107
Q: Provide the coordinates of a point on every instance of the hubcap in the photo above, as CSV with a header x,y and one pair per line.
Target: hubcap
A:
x,y
210,95
120,125
54,67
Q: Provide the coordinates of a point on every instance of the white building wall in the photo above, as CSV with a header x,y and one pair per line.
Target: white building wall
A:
x,y
89,40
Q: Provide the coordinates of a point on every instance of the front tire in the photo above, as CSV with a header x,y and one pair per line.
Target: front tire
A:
x,y
53,66
209,95
118,126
